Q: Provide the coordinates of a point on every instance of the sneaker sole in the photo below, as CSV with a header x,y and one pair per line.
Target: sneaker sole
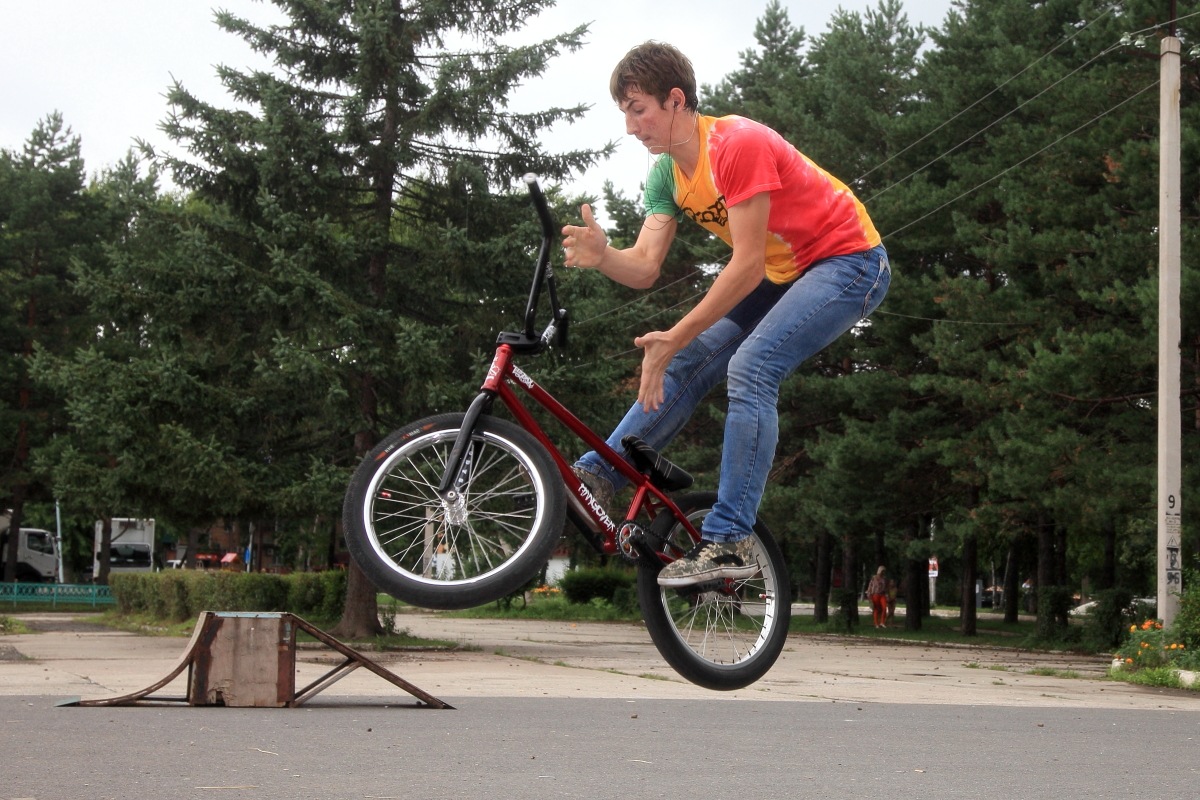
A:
x,y
734,572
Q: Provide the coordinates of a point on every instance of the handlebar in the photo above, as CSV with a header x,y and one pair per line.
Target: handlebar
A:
x,y
539,203
528,341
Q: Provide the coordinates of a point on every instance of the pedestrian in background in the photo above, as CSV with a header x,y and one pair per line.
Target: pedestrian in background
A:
x,y
877,593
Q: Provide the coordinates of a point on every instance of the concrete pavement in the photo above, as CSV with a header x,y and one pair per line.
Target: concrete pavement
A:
x,y
504,658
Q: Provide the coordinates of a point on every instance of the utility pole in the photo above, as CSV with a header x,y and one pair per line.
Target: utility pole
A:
x,y
1170,503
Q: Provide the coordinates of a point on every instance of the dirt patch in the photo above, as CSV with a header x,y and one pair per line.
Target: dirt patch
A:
x,y
63,624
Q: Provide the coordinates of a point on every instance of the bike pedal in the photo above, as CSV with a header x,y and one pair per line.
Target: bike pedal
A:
x,y
644,551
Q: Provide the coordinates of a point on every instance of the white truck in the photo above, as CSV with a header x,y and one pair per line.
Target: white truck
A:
x,y
131,548
37,555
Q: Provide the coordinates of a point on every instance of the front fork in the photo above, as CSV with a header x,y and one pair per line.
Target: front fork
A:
x,y
458,466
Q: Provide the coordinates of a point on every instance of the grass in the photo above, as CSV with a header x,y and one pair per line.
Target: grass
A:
x,y
145,624
395,640
1051,672
148,625
934,630
55,608
551,608
1159,677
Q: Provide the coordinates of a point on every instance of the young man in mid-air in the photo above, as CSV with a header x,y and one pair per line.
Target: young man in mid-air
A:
x,y
806,266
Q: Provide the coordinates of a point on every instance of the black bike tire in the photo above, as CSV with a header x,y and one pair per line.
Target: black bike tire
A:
x,y
672,643
363,536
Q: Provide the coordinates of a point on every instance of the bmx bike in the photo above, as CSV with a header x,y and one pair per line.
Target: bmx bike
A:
x,y
457,510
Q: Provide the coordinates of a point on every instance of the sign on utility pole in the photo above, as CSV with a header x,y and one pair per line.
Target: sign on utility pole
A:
x,y
933,574
1170,503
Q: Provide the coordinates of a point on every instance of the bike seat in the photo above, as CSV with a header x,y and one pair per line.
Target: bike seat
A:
x,y
662,473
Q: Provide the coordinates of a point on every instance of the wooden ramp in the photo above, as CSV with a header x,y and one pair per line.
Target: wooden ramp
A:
x,y
249,660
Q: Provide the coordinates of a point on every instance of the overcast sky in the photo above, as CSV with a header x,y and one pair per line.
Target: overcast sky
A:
x,y
106,64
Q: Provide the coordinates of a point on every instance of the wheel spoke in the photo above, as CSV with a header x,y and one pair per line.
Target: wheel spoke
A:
x,y
496,509
723,633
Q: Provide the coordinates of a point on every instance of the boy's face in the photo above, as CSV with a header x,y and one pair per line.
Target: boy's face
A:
x,y
647,120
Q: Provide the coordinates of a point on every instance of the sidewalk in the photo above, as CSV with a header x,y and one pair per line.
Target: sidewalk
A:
x,y
503,658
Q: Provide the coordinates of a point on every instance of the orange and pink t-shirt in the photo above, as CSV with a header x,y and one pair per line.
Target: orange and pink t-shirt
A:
x,y
813,214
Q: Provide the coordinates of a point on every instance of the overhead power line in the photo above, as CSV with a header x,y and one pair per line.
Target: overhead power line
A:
x,y
1018,74
1116,46
1023,161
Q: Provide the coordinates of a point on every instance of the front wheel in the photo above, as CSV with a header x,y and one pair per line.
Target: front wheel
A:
x,y
486,541
724,634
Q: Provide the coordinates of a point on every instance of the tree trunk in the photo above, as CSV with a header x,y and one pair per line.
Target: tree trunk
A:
x,y
915,580
193,542
1108,570
915,573
1012,584
360,615
824,577
851,590
1061,576
970,574
1046,567
104,552
331,550
15,521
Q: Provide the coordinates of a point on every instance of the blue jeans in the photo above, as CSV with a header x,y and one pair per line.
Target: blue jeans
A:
x,y
758,344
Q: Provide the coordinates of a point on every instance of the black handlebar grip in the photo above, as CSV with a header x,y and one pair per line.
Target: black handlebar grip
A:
x,y
563,323
539,202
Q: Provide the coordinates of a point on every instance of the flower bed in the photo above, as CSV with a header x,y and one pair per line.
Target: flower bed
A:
x,y
1151,651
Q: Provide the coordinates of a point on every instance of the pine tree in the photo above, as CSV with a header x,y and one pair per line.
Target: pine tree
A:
x,y
48,218
842,437
1040,197
348,217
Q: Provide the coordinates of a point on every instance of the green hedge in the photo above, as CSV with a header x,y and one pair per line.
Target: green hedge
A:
x,y
584,584
179,595
1187,621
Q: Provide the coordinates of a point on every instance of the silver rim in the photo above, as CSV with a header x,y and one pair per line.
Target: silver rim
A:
x,y
725,622
417,533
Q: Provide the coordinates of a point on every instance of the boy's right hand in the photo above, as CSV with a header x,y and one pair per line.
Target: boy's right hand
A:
x,y
584,245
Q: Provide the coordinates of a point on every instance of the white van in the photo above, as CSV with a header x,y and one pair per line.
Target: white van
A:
x,y
37,555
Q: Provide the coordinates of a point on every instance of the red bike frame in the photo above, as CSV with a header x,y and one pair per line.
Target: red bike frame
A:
x,y
501,377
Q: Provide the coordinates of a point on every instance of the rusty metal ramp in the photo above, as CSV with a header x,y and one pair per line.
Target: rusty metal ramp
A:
x,y
248,660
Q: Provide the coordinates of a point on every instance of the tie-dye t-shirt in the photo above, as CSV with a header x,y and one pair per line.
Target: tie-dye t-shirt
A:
x,y
813,214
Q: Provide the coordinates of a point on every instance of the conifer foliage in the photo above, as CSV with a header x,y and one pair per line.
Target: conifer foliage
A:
x,y
348,236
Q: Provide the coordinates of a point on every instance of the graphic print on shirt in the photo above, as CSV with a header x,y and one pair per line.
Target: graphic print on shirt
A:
x,y
813,214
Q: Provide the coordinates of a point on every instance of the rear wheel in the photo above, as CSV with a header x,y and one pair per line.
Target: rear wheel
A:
x,y
723,634
484,543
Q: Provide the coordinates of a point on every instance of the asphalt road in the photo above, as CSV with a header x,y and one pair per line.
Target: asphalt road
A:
x,y
546,710
503,747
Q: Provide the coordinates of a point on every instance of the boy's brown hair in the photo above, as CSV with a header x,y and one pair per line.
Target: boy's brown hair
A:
x,y
654,68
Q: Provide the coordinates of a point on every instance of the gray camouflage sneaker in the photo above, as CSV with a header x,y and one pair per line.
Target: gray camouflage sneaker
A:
x,y
708,561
